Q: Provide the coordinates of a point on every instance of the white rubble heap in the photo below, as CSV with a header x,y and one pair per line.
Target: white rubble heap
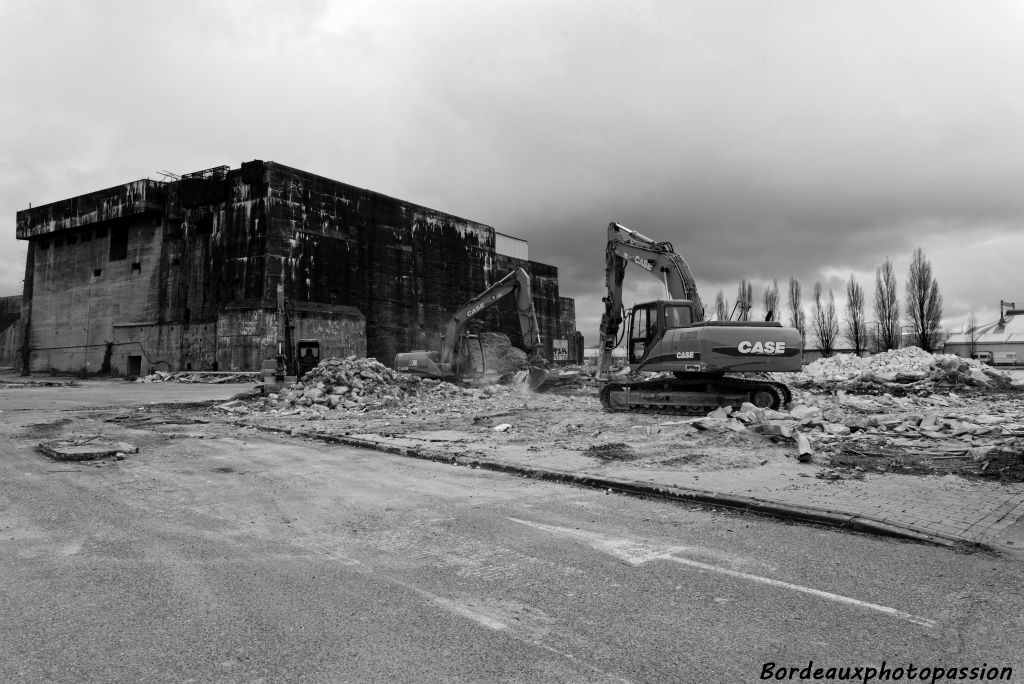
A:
x,y
357,384
947,425
209,378
909,368
843,407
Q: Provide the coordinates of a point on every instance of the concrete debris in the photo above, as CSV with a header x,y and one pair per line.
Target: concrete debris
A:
x,y
908,368
234,406
359,384
206,377
84,449
824,422
499,353
803,448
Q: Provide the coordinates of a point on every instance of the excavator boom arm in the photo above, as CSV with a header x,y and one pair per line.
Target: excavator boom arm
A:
x,y
659,259
518,281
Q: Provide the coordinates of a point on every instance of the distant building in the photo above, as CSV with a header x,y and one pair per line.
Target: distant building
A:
x,y
185,274
1000,343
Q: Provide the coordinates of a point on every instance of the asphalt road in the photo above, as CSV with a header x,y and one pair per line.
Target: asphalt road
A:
x,y
234,557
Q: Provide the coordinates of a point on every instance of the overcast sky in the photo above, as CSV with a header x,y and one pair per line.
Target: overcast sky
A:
x,y
766,140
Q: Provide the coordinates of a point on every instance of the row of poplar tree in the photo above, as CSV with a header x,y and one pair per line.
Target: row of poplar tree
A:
x,y
921,313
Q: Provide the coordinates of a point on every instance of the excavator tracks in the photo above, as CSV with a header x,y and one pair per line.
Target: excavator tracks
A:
x,y
696,395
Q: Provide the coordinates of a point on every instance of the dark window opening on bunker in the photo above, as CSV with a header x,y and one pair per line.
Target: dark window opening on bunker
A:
x,y
136,267
96,272
134,365
119,243
204,224
175,261
44,244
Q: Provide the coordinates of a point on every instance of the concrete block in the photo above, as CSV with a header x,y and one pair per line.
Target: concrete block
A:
x,y
84,450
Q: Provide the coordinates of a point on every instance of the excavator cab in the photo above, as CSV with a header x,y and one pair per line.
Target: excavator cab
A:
x,y
307,356
649,321
470,356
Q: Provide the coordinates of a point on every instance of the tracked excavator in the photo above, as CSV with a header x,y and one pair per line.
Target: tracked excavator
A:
x,y
454,361
704,364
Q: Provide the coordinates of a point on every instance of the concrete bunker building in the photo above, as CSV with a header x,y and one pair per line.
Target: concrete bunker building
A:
x,y
184,274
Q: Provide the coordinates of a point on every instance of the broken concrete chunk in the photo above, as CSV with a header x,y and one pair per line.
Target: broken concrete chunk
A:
x,y
773,429
735,425
84,449
833,415
836,429
720,413
802,412
504,427
803,448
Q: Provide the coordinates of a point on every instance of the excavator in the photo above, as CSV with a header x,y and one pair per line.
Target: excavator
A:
x,y
704,363
454,361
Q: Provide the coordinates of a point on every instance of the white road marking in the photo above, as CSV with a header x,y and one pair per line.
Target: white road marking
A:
x,y
636,553
478,616
467,612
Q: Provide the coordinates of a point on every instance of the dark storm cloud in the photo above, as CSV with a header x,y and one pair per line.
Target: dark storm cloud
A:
x,y
765,140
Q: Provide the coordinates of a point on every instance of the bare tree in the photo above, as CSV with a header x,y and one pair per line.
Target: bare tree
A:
x,y
824,321
972,335
744,299
856,324
887,308
924,303
771,302
721,306
797,319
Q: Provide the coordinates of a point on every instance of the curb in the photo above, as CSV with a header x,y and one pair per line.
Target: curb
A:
x,y
803,514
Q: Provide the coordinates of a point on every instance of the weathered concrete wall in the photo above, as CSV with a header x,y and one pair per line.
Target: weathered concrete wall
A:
x,y
248,336
10,332
406,267
118,202
567,330
185,274
85,281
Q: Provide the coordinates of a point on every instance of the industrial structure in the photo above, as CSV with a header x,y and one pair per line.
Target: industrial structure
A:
x,y
1000,343
188,273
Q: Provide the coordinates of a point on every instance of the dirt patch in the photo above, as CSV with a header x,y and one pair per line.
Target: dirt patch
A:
x,y
614,451
1006,465
45,429
1003,464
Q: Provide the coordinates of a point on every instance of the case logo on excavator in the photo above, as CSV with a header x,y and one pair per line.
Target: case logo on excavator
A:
x,y
687,355
759,347
644,263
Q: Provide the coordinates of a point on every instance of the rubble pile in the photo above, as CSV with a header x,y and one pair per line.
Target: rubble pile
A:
x,y
499,353
349,383
910,368
878,429
209,378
